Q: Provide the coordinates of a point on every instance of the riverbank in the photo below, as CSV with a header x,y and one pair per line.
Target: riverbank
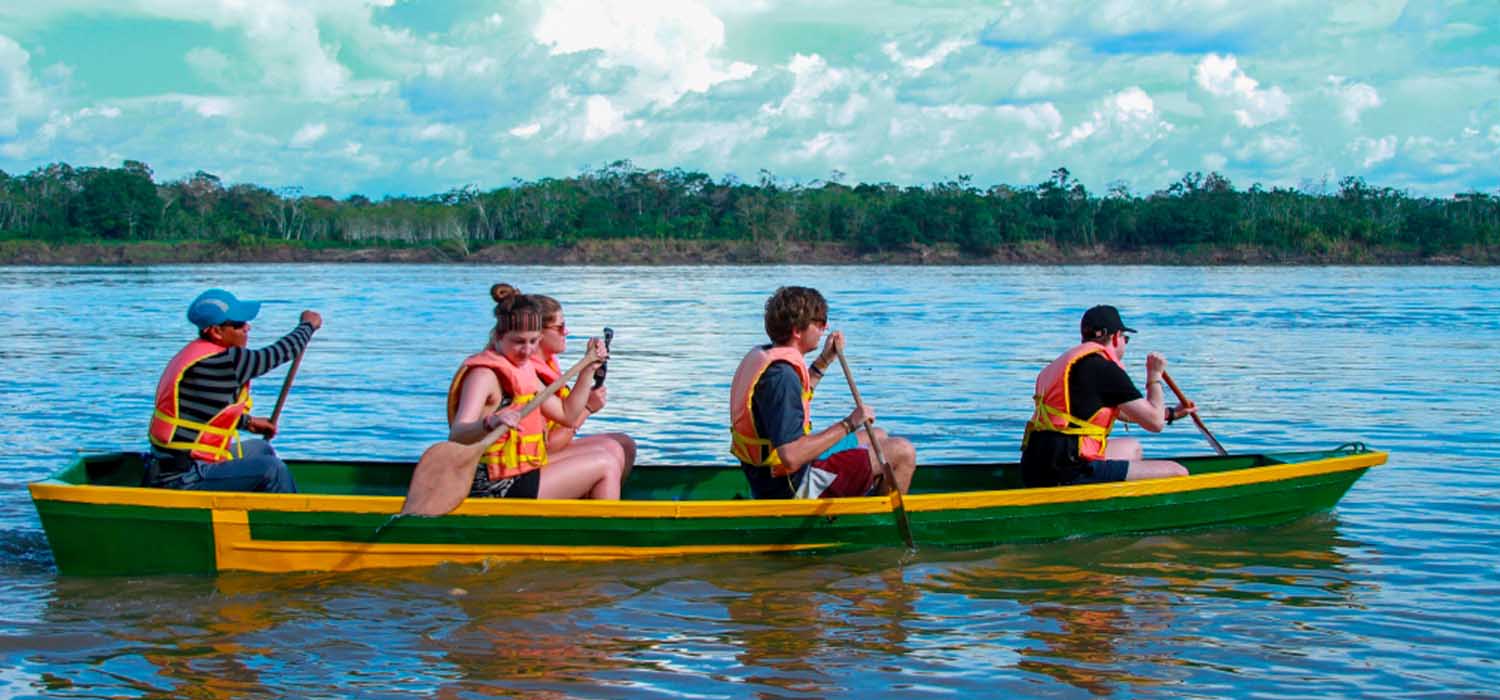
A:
x,y
699,252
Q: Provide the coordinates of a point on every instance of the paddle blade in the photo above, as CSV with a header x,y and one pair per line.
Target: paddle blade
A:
x,y
442,478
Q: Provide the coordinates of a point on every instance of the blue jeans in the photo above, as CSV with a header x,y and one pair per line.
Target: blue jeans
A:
x,y
259,470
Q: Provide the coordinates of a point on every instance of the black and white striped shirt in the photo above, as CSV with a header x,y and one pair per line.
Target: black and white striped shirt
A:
x,y
212,382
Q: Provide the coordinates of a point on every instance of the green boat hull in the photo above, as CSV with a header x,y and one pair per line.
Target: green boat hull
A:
x,y
99,523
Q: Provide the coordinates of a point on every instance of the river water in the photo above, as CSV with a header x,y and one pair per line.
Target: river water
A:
x,y
1390,595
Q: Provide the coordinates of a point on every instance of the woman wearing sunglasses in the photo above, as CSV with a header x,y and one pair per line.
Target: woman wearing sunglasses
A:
x,y
562,436
491,387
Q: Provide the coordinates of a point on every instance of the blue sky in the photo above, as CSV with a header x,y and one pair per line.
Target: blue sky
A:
x,y
388,97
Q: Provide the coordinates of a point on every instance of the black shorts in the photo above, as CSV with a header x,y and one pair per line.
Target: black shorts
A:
x,y
1101,471
524,486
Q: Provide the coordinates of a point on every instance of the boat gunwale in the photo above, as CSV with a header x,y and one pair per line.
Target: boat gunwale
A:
x,y
54,489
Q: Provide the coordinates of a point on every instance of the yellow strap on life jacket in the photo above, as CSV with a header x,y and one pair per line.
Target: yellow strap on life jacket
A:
x,y
507,452
740,444
1041,420
231,435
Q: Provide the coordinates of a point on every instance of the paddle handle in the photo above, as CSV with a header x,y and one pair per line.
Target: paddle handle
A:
x,y
609,334
1182,398
286,387
898,506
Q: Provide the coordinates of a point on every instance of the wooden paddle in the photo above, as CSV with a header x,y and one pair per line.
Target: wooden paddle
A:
x,y
1183,399
286,387
444,474
898,507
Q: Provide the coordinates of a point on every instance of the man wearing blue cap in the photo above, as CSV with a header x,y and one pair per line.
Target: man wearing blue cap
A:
x,y
1079,395
203,401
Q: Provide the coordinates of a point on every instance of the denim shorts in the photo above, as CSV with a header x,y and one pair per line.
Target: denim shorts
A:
x,y
1101,471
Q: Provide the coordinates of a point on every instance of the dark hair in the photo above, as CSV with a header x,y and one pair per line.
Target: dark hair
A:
x,y
792,308
514,311
548,307
1098,335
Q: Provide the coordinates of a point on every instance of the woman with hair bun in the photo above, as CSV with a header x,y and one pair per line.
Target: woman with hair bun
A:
x,y
518,465
561,435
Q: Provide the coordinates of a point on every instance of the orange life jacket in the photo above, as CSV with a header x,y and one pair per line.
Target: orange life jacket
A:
x,y
211,444
519,451
1054,412
745,443
547,371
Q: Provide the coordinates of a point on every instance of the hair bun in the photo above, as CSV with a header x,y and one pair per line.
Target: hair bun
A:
x,y
502,291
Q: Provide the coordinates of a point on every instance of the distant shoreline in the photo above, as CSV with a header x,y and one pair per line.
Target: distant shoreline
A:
x,y
636,251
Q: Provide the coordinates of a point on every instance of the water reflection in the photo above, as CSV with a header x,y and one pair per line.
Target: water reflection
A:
x,y
1102,616
1110,614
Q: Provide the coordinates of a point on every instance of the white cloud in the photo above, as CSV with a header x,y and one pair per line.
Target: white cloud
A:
x,y
1371,151
208,107
670,44
438,132
208,63
601,118
1128,113
20,96
920,64
1221,76
1035,83
812,78
1353,98
308,135
526,131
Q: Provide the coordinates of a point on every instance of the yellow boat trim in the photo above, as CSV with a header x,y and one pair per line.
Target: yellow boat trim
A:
x,y
305,503
1148,487
235,550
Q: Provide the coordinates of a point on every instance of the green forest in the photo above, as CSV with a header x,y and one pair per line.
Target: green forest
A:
x,y
59,204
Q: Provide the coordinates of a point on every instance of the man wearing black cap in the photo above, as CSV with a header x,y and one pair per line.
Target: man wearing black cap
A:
x,y
203,401
1079,396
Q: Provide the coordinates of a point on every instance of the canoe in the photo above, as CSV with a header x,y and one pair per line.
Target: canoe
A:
x,y
99,522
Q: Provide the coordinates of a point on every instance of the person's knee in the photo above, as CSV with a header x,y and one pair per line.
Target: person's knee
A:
x,y
1128,449
627,445
613,465
901,451
277,476
253,449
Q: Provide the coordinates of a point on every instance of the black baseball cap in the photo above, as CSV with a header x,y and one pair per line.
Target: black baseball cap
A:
x,y
1104,318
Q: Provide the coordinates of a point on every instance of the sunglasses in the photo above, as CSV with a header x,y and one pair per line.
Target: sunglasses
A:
x,y
559,327
237,325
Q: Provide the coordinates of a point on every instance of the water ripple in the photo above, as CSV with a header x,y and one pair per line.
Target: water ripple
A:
x,y
1386,597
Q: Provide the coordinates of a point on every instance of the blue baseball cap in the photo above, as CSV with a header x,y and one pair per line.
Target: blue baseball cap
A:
x,y
217,306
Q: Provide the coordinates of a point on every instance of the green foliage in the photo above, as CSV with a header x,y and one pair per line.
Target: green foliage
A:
x,y
1198,212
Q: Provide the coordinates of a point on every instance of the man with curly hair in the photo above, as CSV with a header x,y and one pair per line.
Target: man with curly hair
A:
x,y
771,418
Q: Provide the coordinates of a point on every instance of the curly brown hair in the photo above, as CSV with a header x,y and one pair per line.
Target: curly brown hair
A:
x,y
793,308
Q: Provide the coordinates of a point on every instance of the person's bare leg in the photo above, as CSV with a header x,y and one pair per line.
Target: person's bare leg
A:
x,y
1128,449
1154,469
585,473
902,456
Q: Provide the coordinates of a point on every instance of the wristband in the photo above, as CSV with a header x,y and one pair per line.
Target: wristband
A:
x,y
815,370
1171,415
848,425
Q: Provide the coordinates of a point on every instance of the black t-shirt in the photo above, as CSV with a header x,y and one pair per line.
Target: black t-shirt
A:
x,y
1096,382
777,409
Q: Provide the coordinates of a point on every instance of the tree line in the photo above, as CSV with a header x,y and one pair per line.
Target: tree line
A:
x,y
61,203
